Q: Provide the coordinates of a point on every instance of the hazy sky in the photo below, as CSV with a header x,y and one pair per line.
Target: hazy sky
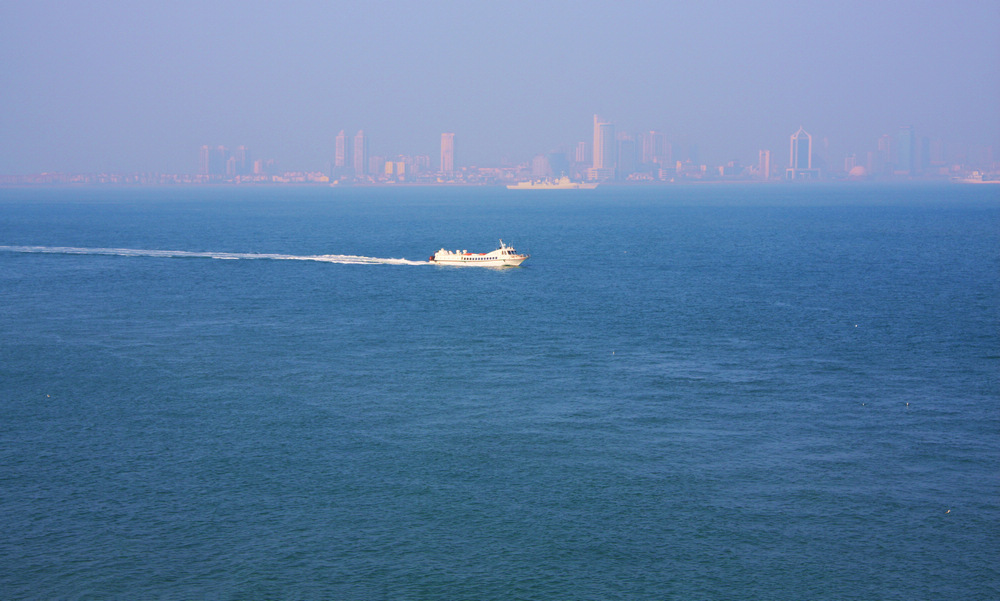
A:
x,y
139,86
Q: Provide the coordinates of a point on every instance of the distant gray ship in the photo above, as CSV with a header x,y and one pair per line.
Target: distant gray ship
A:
x,y
563,183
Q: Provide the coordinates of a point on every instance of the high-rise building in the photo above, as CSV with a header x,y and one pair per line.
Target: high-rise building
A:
x,y
212,161
605,146
262,167
244,165
800,149
448,153
360,153
906,150
540,166
654,149
626,153
800,156
219,159
764,164
205,160
340,154
886,155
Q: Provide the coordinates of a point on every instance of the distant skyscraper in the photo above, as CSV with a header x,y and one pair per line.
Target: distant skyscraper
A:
x,y
340,156
244,165
212,161
205,160
801,147
886,155
360,153
764,164
605,146
906,150
219,159
540,166
626,153
654,148
580,157
448,153
800,157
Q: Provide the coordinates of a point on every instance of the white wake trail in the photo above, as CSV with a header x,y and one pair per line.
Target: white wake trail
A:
x,y
135,252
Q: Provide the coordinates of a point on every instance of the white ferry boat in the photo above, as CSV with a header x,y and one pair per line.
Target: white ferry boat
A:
x,y
563,183
505,256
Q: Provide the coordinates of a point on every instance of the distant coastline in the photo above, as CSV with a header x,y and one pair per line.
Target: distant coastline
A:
x,y
315,181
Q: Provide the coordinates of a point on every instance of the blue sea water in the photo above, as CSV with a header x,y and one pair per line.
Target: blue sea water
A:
x,y
706,392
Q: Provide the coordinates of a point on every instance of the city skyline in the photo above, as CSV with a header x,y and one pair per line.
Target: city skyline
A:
x,y
133,88
653,143
613,155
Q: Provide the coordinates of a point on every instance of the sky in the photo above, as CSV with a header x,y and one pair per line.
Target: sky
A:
x,y
125,86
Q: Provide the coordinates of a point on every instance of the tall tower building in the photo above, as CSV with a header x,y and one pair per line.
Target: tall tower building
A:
x,y
340,154
654,148
205,160
605,146
764,164
212,161
626,153
360,153
244,164
886,156
448,153
800,156
906,150
800,149
540,166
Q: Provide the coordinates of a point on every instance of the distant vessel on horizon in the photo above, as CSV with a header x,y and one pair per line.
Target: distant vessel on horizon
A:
x,y
563,183
505,256
976,178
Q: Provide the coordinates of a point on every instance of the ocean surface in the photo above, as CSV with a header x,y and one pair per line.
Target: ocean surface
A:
x,y
704,392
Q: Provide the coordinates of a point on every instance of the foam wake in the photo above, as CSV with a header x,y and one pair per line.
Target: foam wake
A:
x,y
134,252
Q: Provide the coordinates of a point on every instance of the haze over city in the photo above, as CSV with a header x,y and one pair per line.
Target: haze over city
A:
x,y
126,87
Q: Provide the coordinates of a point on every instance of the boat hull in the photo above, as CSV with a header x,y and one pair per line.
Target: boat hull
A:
x,y
474,263
551,186
505,256
563,183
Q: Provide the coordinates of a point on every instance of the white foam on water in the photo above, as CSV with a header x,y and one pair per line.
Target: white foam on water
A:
x,y
135,252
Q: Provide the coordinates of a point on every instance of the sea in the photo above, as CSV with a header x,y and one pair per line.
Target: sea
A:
x,y
733,392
